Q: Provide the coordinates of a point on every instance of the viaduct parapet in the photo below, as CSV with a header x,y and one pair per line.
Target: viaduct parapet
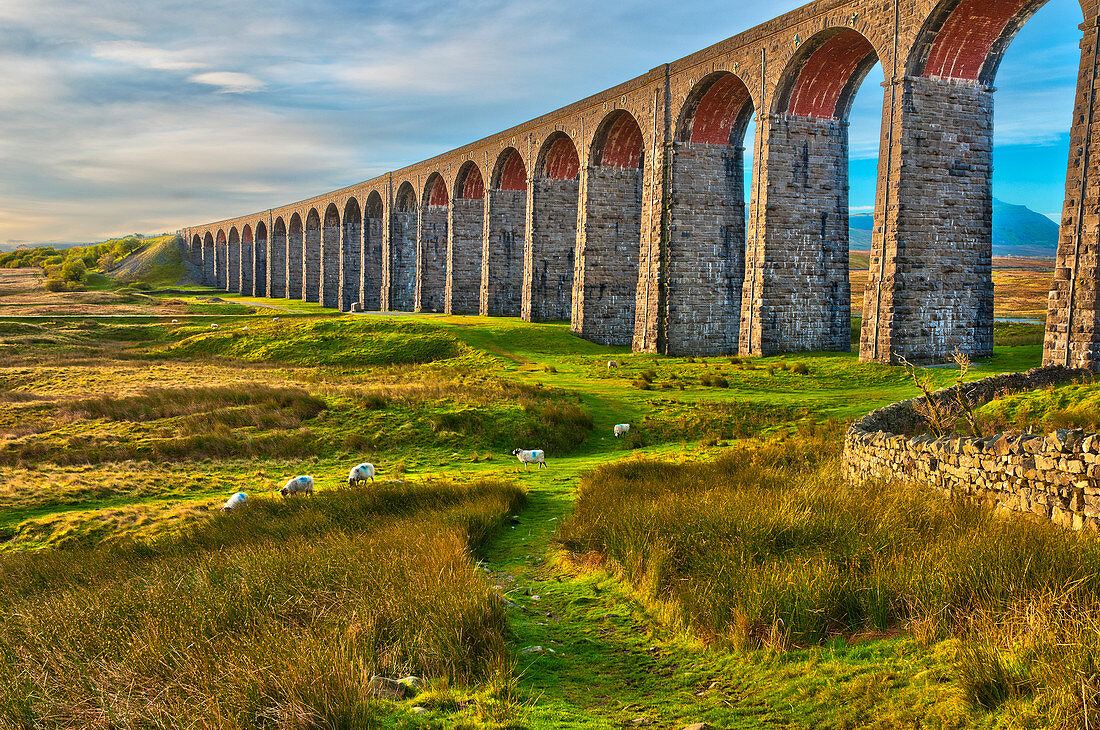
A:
x,y
624,212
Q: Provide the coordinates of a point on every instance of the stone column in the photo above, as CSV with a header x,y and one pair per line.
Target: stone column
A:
x,y
329,284
464,249
221,277
796,294
295,264
706,250
402,261
549,250
247,262
605,280
431,258
209,278
260,256
930,286
1073,316
276,280
311,287
351,262
502,252
233,266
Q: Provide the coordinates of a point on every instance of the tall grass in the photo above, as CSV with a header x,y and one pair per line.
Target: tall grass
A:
x,y
771,547
272,616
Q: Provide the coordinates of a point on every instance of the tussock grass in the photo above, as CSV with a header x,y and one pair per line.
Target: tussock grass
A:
x,y
771,547
1074,405
275,615
157,403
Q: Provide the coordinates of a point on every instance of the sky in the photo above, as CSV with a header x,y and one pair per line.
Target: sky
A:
x,y
121,116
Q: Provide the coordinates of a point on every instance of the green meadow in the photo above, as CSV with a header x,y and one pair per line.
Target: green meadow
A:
x,y
711,566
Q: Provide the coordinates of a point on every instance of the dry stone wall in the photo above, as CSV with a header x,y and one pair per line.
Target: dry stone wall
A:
x,y
1055,476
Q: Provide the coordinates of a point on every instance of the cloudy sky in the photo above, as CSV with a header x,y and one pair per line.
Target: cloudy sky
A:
x,y
121,116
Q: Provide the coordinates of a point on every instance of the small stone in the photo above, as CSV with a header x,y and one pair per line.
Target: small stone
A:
x,y
384,688
418,710
533,650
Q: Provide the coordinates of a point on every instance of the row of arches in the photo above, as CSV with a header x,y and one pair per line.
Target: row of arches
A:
x,y
758,271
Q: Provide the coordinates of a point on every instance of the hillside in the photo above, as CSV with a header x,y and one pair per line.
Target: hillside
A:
x,y
1017,231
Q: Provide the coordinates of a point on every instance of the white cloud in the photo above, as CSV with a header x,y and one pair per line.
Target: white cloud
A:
x,y
146,56
229,82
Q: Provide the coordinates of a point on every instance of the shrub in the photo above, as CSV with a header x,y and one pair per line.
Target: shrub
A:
x,y
799,368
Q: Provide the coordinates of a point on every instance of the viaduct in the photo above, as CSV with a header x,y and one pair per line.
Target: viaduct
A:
x,y
624,212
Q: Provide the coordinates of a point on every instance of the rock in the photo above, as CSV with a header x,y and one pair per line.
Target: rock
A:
x,y
412,685
418,710
384,688
533,650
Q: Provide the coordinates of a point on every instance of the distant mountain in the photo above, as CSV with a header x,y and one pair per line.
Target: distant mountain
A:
x,y
1017,231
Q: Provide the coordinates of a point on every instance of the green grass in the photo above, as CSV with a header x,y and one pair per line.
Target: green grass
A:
x,y
1076,405
424,398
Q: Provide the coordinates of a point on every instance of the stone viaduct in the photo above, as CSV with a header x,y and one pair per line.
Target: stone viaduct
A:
x,y
624,212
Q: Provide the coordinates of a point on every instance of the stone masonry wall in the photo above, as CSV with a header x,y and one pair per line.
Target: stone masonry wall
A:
x,y
606,279
329,285
371,295
1055,476
221,254
464,249
403,262
295,264
247,272
351,262
259,282
549,251
233,269
706,251
276,261
311,284
502,252
933,259
802,301
431,259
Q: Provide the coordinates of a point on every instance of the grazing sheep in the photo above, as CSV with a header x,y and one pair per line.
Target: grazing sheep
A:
x,y
237,500
175,321
360,474
621,429
274,319
533,456
612,364
213,326
298,484
245,328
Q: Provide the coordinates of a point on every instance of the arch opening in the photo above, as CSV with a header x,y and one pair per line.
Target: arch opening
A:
x,y
706,249
605,280
505,229
465,232
550,248
431,256
373,230
329,284
402,295
351,257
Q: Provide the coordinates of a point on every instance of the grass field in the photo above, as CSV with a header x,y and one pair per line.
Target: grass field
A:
x,y
120,436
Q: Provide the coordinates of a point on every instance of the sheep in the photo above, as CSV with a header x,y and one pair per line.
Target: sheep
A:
x,y
213,326
532,456
612,364
298,484
360,474
621,429
237,500
175,321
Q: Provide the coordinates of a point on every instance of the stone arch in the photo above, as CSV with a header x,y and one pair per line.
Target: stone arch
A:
x,y
965,40
295,258
503,236
233,265
801,299
351,256
605,280
822,78
329,284
402,295
260,257
706,256
465,241
550,248
248,261
373,229
431,258
195,250
277,261
209,274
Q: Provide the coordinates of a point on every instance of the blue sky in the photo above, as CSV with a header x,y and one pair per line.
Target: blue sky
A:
x,y
118,116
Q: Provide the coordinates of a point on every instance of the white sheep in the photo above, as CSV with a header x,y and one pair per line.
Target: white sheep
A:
x,y
237,500
298,484
245,328
612,364
274,319
621,429
175,321
360,474
532,456
213,326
